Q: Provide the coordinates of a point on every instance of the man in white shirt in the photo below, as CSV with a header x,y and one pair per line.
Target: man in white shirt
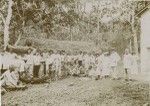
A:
x,y
49,64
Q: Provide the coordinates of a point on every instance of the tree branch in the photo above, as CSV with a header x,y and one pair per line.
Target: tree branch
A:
x,y
17,9
2,16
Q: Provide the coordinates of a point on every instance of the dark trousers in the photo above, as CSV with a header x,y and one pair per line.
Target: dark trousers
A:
x,y
2,71
36,70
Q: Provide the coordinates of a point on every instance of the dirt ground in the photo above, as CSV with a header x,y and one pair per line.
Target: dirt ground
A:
x,y
75,91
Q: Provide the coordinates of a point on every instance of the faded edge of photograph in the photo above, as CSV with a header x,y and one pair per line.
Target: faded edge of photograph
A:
x,y
75,52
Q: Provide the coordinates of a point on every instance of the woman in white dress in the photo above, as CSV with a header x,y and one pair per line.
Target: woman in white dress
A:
x,y
99,65
92,72
114,57
134,64
127,62
106,69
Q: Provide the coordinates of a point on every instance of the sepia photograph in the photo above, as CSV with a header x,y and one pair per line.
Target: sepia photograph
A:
x,y
75,52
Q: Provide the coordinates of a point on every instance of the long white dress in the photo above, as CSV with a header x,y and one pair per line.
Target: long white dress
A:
x,y
92,72
57,63
106,69
114,58
134,67
86,61
127,61
99,64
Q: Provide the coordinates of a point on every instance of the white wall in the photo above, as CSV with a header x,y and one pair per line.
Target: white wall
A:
x,y
145,42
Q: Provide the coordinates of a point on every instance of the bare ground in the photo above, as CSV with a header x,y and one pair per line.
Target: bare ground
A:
x,y
75,91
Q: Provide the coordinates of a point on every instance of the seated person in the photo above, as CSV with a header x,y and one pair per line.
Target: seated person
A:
x,y
10,79
3,91
92,72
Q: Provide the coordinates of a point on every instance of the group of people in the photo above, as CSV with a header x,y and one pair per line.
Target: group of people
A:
x,y
36,66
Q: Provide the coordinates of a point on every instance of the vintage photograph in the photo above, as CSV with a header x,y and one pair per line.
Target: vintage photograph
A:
x,y
75,52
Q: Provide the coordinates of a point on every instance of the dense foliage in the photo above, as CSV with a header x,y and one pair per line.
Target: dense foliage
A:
x,y
110,21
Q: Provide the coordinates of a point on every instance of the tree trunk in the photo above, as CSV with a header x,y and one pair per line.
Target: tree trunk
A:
x,y
134,34
19,37
7,23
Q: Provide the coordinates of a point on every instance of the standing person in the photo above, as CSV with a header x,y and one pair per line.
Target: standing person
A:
x,y
134,68
80,61
106,68
99,60
80,58
44,57
114,57
64,71
92,72
86,63
49,63
29,63
92,59
127,62
37,64
57,64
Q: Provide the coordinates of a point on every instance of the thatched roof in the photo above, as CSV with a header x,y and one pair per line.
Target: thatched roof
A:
x,y
20,49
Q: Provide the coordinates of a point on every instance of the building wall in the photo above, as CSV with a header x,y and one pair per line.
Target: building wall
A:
x,y
145,42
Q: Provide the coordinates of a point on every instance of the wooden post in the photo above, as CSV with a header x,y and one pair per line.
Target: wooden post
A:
x,y
134,33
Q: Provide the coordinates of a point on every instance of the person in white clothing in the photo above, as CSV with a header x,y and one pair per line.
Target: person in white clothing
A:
x,y
10,79
114,58
29,63
92,59
57,64
49,63
92,72
127,62
5,61
99,64
86,62
134,68
37,64
105,65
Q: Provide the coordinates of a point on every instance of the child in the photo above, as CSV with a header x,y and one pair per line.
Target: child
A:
x,y
127,62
